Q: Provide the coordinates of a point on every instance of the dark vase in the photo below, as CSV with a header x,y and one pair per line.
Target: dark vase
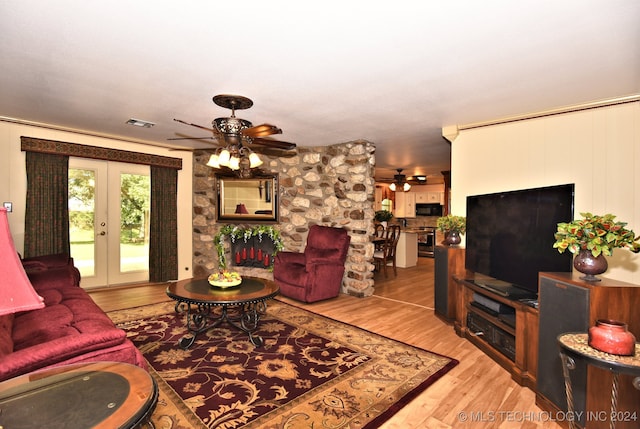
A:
x,y
590,265
611,336
452,238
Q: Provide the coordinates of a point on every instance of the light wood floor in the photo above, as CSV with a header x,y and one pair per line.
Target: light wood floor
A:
x,y
477,393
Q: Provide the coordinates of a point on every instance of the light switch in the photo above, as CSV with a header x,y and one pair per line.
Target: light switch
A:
x,y
8,206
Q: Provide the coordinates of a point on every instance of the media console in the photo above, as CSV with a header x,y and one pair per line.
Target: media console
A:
x,y
521,334
504,327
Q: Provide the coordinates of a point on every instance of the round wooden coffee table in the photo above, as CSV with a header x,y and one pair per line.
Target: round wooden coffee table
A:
x,y
208,306
86,395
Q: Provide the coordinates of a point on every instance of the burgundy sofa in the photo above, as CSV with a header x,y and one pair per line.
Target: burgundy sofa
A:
x,y
70,328
317,273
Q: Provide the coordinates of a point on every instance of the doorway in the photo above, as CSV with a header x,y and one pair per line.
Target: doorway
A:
x,y
109,207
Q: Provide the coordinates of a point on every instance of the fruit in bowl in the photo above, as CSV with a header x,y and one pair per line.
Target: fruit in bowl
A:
x,y
225,279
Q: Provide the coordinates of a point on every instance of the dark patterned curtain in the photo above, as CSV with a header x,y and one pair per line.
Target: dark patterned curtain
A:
x,y
163,236
46,229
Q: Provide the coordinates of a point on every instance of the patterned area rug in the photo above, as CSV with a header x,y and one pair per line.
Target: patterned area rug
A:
x,y
311,371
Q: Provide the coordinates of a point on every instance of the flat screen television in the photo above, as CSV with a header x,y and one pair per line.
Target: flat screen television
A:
x,y
510,237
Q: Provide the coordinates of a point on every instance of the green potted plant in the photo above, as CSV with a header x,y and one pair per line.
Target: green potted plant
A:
x,y
383,216
452,226
591,239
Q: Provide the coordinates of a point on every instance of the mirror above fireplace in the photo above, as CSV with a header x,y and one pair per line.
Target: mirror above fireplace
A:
x,y
253,200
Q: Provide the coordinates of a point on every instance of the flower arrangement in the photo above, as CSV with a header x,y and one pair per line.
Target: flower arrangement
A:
x,y
383,215
452,223
237,233
599,234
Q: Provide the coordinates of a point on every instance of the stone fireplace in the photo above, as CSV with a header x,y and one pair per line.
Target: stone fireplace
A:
x,y
329,186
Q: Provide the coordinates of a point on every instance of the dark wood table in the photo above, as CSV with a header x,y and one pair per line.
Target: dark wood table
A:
x,y
208,306
103,395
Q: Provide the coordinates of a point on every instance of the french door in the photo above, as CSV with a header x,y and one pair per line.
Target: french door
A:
x,y
109,221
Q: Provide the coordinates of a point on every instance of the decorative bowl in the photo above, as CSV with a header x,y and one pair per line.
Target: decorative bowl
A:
x,y
225,279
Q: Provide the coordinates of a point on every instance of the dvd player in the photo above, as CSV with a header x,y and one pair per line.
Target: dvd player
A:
x,y
504,289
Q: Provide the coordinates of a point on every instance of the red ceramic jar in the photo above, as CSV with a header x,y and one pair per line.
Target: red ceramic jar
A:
x,y
612,336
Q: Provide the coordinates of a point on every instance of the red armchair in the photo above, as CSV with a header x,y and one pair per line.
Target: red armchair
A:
x,y
317,273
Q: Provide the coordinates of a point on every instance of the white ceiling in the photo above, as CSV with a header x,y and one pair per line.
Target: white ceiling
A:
x,y
393,73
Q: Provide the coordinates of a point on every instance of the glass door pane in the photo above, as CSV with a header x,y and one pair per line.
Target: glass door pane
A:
x,y
134,222
82,219
109,208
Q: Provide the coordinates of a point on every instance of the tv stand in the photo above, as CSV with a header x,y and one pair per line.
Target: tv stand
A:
x,y
508,335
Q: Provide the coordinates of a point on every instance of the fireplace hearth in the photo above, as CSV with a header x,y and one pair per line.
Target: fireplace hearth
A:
x,y
253,252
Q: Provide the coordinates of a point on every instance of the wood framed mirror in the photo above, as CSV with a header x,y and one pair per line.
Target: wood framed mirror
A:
x,y
252,200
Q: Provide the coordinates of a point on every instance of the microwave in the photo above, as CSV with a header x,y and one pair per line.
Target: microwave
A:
x,y
428,210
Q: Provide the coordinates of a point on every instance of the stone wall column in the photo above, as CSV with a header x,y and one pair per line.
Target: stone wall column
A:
x,y
329,186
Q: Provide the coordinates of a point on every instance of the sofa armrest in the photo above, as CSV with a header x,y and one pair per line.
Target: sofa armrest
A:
x,y
61,349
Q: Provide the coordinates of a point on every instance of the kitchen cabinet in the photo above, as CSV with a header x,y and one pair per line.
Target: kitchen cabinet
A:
x,y
422,197
429,198
377,198
405,205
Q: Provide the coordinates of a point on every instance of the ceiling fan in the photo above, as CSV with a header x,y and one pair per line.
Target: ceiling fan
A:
x,y
237,139
402,181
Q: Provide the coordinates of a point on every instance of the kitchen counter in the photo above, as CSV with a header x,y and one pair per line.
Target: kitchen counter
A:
x,y
407,250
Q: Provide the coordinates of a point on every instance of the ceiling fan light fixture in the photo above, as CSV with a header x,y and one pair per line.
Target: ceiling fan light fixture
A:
x,y
214,161
399,180
224,157
254,160
231,126
234,134
234,163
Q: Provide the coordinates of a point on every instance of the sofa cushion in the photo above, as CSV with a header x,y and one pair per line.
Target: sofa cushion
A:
x,y
40,326
6,328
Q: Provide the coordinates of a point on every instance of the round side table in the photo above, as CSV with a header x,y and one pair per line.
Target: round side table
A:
x,y
575,345
97,395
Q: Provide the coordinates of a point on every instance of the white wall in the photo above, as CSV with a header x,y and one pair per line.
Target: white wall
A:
x,y
13,180
597,149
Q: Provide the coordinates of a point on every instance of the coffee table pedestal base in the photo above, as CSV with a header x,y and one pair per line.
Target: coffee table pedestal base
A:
x,y
203,317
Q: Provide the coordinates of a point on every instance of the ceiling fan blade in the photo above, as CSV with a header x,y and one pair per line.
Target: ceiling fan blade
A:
x,y
195,125
276,153
277,144
192,138
261,131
